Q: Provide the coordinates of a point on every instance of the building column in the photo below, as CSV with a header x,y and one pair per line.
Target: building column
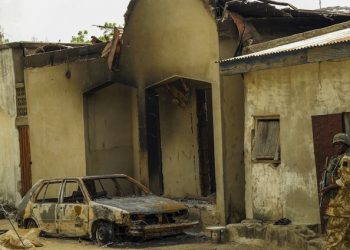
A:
x,y
218,151
143,167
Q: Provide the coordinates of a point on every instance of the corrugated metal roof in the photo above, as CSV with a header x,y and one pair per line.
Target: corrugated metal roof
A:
x,y
339,36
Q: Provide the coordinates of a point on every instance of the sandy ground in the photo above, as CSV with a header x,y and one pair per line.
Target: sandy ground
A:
x,y
182,242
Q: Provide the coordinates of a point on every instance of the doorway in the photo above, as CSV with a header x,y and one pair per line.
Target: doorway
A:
x,y
324,128
180,139
154,142
206,141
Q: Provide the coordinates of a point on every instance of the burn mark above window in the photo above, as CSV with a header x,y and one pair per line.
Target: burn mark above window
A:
x,y
266,143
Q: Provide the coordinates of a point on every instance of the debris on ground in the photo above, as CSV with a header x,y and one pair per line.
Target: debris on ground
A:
x,y
8,208
281,236
10,240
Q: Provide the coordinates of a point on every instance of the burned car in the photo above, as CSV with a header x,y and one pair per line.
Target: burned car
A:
x,y
103,208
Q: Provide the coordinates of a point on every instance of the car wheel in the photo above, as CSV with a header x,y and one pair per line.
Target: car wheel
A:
x,y
104,233
31,224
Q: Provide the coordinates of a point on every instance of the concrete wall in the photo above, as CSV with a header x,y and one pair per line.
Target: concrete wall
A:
x,y
173,37
233,139
179,143
55,115
232,106
110,127
169,38
289,189
9,144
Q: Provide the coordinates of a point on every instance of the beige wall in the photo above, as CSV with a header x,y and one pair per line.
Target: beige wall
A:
x,y
173,37
179,142
295,93
9,146
55,113
233,141
110,127
232,105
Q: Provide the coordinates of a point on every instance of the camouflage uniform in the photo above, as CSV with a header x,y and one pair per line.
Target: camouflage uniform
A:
x,y
339,206
332,172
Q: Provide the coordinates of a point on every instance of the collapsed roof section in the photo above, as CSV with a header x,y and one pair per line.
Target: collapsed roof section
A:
x,y
270,9
259,21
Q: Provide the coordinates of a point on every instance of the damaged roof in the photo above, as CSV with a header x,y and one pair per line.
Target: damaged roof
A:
x,y
268,8
340,36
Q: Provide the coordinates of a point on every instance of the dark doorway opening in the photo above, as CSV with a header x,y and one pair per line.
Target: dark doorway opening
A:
x,y
324,128
206,141
154,142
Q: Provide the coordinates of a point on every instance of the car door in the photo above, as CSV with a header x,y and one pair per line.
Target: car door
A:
x,y
44,209
73,210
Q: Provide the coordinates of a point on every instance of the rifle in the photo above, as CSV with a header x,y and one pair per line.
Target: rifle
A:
x,y
323,182
7,216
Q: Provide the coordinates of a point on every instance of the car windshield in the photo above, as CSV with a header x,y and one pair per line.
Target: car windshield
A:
x,y
112,187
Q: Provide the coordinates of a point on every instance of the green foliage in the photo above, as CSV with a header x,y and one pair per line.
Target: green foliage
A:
x,y
2,37
107,31
80,37
83,36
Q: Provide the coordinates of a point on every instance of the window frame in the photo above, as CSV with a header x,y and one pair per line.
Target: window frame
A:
x,y
63,189
256,159
45,185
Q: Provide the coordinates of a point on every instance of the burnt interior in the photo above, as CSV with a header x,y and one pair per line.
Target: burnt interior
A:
x,y
181,91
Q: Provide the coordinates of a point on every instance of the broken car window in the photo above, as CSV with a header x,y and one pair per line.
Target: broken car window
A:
x,y
112,187
72,193
49,193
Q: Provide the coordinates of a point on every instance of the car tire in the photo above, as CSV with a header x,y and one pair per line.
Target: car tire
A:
x,y
104,233
31,224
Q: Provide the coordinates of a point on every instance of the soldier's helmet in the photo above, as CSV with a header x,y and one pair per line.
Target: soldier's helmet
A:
x,y
341,137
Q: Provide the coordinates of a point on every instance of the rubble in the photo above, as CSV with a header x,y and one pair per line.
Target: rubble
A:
x,y
30,240
294,236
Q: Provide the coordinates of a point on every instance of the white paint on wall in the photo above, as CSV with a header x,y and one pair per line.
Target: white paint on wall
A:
x,y
9,144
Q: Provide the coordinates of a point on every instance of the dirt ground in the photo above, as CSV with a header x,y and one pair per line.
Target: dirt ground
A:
x,y
181,242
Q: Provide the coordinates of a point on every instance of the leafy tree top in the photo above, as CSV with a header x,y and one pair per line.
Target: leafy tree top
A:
x,y
83,35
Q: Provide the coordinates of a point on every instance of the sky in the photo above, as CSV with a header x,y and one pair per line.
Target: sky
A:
x,y
54,21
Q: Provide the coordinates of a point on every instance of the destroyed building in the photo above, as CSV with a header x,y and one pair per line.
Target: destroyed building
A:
x,y
167,115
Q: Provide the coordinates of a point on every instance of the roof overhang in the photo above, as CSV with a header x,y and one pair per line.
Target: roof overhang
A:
x,y
286,58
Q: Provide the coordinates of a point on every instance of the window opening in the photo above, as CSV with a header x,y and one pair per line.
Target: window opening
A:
x,y
266,144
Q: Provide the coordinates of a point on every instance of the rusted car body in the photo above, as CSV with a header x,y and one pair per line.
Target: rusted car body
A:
x,y
104,208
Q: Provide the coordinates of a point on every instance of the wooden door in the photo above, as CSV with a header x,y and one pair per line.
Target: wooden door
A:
x,y
324,128
25,160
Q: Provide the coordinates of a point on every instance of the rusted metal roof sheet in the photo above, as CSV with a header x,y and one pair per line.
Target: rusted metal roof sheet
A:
x,y
339,36
264,8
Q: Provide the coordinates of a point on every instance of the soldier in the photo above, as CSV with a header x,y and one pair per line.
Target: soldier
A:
x,y
338,190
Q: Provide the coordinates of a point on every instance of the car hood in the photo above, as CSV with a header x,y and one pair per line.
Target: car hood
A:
x,y
149,204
